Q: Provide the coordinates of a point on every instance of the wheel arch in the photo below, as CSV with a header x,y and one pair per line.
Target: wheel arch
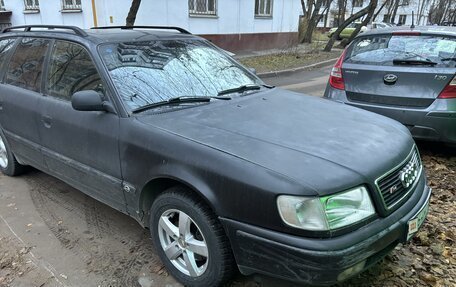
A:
x,y
154,187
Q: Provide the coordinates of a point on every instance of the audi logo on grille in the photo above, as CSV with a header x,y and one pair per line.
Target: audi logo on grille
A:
x,y
408,174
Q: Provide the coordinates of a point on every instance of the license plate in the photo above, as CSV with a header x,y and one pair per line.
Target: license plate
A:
x,y
415,223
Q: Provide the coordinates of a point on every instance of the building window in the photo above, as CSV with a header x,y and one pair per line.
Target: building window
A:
x,y
71,5
402,19
358,3
32,5
2,5
405,2
263,8
202,7
386,18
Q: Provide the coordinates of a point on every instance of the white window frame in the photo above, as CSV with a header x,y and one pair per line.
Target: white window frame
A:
x,y
261,13
35,6
71,7
193,8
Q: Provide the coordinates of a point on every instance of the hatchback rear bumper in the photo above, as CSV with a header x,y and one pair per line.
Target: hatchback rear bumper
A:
x,y
322,261
436,122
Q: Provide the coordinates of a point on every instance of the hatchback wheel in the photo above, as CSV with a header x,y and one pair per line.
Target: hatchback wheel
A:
x,y
190,240
8,163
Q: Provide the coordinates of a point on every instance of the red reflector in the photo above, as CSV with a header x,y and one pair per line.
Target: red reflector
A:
x,y
406,33
335,79
449,92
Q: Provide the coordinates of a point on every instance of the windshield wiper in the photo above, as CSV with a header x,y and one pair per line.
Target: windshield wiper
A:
x,y
239,89
178,100
413,62
448,59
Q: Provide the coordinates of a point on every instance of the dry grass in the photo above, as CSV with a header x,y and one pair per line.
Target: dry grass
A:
x,y
287,60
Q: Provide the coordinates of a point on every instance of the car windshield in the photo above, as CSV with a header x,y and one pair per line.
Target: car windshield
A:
x,y
384,49
155,71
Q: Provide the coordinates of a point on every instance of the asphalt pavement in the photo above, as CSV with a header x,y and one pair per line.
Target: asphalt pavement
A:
x,y
311,82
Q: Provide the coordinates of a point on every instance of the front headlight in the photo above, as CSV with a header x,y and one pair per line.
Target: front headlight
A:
x,y
326,213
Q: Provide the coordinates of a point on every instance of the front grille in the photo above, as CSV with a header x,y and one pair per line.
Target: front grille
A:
x,y
392,188
389,100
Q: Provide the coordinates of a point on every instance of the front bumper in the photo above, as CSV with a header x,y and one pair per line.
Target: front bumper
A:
x,y
436,122
321,261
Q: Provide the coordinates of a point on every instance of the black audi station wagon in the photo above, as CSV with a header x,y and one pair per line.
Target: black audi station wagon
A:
x,y
227,172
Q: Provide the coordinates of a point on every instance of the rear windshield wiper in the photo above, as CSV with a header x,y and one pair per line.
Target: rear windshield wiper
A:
x,y
178,100
413,62
239,89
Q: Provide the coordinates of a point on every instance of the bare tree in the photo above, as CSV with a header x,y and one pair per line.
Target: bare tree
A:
x,y
342,5
311,16
370,13
438,11
311,19
350,19
395,6
131,17
385,2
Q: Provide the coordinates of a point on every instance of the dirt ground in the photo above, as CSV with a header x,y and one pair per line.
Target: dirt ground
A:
x,y
287,60
53,235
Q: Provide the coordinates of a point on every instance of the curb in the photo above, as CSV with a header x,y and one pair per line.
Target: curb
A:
x,y
294,70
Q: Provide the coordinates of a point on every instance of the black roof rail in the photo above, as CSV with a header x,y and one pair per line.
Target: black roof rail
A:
x,y
28,28
182,30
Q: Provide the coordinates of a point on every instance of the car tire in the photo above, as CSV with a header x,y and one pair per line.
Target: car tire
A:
x,y
184,226
8,162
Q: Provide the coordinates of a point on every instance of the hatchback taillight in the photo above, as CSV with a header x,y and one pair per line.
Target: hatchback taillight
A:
x,y
336,79
449,92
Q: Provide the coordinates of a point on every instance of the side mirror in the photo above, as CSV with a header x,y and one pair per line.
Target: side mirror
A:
x,y
90,100
253,71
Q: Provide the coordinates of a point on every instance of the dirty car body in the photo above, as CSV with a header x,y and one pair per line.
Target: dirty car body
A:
x,y
405,74
293,186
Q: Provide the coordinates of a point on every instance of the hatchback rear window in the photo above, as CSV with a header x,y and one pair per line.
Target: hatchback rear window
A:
x,y
384,49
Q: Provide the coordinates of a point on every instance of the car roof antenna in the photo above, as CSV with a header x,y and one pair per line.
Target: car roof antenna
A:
x,y
413,20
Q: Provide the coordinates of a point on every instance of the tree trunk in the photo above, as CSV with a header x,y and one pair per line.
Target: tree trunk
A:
x,y
131,18
447,12
342,9
341,27
327,13
379,10
420,13
390,8
393,16
370,14
312,22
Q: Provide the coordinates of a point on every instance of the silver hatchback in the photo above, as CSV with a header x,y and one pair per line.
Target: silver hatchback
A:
x,y
402,73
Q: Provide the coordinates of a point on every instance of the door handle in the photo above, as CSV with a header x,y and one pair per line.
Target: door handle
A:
x,y
47,121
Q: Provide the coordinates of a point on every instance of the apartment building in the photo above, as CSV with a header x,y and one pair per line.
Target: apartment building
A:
x,y
403,14
235,25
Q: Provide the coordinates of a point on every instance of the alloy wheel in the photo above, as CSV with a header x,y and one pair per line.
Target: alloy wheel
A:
x,y
3,154
183,242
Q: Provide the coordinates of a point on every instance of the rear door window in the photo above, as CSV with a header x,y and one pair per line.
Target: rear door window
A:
x,y
383,49
71,70
5,47
26,66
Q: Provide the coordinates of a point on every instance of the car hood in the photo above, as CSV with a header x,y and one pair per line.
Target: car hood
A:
x,y
323,145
